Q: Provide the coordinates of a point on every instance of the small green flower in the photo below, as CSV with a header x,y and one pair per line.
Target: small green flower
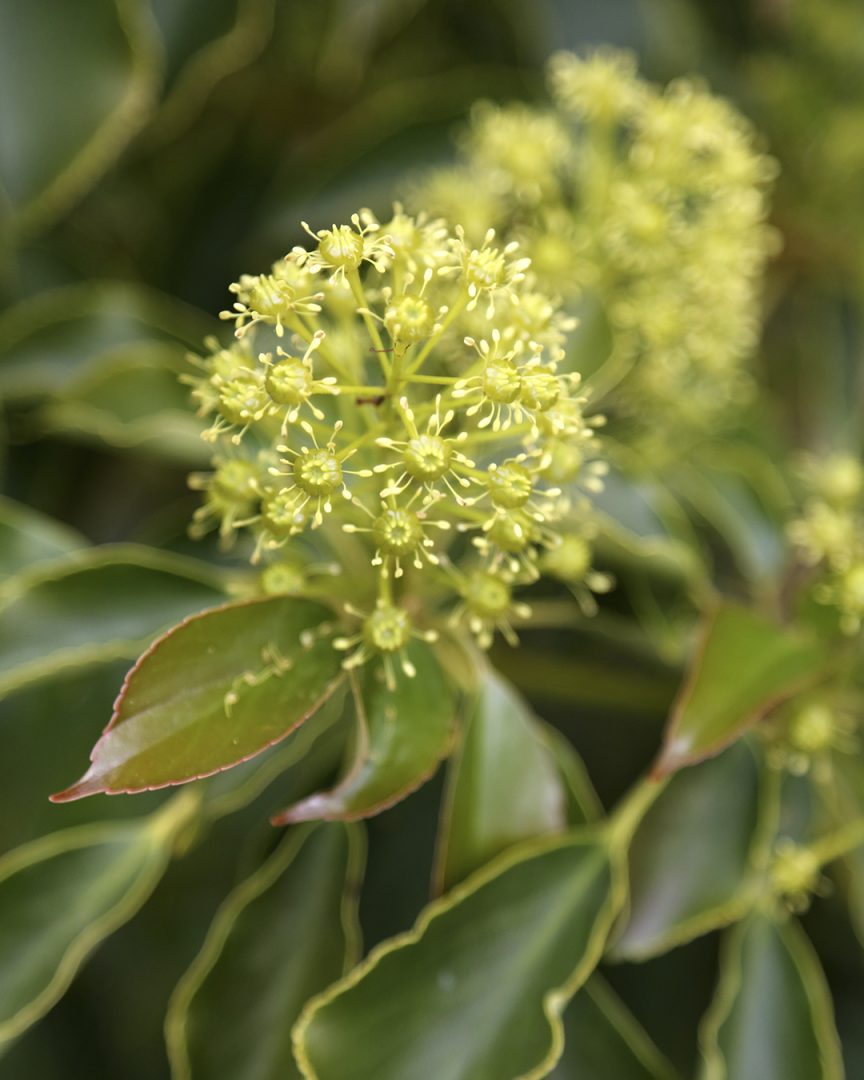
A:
x,y
386,631
648,203
829,534
795,875
368,436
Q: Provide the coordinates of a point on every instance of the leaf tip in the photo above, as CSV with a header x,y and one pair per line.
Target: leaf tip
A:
x,y
87,785
674,754
315,808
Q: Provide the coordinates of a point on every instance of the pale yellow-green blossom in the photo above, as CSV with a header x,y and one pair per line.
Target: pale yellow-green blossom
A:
x,y
651,202
828,534
396,409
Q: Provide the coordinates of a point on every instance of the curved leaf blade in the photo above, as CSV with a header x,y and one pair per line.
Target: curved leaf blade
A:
x,y
743,666
134,402
690,860
97,605
602,1039
61,895
771,1016
66,336
477,987
212,692
403,734
283,934
28,537
199,57
504,785
94,84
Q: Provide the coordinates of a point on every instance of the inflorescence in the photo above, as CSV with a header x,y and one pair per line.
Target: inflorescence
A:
x,y
395,420
649,204
829,534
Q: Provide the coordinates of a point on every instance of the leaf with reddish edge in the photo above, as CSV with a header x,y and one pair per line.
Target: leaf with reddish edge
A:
x,y
745,664
402,736
212,692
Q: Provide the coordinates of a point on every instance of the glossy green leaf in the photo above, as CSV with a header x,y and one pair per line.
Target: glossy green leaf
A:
x,y
603,1041
477,987
76,83
282,935
63,894
844,797
54,340
504,785
28,537
771,1017
315,749
402,735
97,605
47,731
212,692
745,663
582,804
730,505
135,402
690,860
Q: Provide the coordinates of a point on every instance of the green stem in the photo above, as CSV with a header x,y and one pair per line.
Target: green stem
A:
x,y
839,843
436,337
443,380
377,391
298,325
360,296
632,809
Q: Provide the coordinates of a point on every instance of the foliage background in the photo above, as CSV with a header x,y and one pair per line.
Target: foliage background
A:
x,y
148,155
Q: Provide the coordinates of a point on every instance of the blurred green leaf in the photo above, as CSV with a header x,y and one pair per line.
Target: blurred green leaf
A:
x,y
602,1040
93,606
844,794
61,895
212,692
356,27
582,804
56,339
477,987
730,506
771,1016
49,728
28,537
659,574
402,735
76,82
611,679
136,402
691,859
504,785
282,935
744,664
201,53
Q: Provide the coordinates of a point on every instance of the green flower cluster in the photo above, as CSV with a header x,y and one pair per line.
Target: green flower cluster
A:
x,y
651,202
829,534
394,400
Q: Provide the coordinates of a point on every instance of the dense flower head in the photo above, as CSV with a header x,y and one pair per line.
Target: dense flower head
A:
x,y
396,406
829,533
651,202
